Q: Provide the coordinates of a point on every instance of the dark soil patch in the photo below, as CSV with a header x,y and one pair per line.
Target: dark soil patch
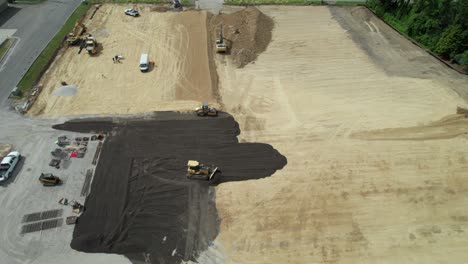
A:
x,y
159,8
141,204
247,32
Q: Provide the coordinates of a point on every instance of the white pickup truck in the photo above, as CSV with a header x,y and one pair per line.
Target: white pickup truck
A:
x,y
8,164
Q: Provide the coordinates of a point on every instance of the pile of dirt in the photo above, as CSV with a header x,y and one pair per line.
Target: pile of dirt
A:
x,y
462,111
142,205
247,33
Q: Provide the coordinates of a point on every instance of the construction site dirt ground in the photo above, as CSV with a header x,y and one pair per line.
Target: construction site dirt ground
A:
x,y
376,157
175,41
323,94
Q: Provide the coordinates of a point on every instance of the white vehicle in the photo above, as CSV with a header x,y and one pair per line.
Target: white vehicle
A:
x,y
8,164
144,62
131,12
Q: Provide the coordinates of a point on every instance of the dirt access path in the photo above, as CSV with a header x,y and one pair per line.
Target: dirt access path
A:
x,y
345,197
176,42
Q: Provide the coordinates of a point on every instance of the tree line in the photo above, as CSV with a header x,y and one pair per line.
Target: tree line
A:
x,y
439,25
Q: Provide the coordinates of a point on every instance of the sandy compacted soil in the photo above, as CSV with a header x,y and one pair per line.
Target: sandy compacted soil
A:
x,y
175,41
377,158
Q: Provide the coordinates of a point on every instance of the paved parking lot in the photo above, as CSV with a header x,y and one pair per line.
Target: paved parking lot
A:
x,y
23,194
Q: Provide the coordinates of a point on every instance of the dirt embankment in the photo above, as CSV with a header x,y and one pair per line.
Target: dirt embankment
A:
x,y
247,32
448,127
141,204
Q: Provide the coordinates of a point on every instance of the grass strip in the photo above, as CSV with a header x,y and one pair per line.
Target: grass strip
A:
x,y
43,60
5,46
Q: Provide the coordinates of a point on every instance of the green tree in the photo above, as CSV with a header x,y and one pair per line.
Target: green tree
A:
x,y
462,59
451,41
461,10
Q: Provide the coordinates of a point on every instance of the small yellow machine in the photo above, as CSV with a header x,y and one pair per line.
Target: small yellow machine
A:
x,y
198,171
48,179
73,37
220,44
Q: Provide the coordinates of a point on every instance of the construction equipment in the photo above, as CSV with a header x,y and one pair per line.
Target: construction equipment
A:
x,y
91,44
198,171
63,141
76,207
48,179
71,220
176,4
55,163
58,153
206,110
220,44
74,37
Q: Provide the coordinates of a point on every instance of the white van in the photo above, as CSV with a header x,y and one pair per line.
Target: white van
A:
x,y
144,62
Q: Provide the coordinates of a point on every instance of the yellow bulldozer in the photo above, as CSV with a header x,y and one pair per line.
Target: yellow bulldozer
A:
x,y
74,37
48,179
198,171
220,44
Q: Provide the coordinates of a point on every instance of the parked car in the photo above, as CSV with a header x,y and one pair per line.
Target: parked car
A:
x,y
8,164
131,12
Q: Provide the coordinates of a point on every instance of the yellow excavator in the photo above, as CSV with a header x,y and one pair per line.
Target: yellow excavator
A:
x,y
220,44
198,171
74,37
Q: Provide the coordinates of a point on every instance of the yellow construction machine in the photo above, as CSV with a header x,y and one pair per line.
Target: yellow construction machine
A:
x,y
74,37
220,44
48,179
198,171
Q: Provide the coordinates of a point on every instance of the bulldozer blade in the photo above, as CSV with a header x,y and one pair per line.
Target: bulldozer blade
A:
x,y
212,174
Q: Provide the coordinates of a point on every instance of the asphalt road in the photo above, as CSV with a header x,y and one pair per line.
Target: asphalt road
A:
x,y
36,25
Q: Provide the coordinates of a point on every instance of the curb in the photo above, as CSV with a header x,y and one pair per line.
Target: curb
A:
x,y
419,45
